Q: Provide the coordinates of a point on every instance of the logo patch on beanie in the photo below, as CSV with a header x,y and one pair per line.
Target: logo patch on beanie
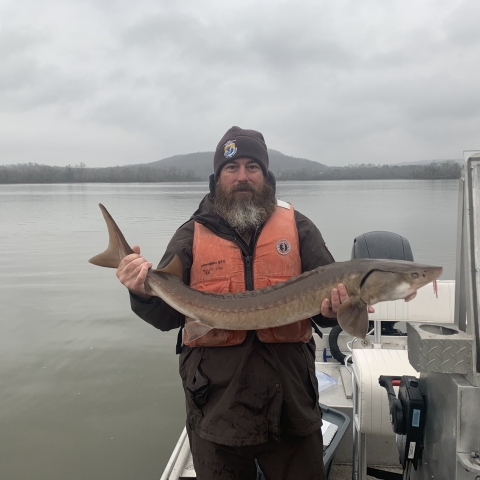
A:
x,y
283,247
229,149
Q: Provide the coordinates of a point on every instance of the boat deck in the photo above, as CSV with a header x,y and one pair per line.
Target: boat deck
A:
x,y
337,396
344,472
338,472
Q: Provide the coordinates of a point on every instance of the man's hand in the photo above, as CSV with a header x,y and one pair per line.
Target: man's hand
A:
x,y
132,272
339,295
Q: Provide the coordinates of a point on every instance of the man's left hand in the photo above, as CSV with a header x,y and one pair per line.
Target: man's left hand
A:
x,y
339,295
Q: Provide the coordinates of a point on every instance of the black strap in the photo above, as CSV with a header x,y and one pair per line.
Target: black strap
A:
x,y
178,348
317,330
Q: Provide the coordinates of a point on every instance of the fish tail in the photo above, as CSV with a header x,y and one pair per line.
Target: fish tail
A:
x,y
117,245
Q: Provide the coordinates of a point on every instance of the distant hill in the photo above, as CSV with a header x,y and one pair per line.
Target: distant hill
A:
x,y
201,164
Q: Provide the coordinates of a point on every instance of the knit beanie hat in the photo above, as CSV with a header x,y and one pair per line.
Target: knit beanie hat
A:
x,y
240,143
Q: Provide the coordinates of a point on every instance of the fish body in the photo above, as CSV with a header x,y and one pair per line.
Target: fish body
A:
x,y
367,281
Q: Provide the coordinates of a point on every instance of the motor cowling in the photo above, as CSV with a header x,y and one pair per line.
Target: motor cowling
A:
x,y
380,244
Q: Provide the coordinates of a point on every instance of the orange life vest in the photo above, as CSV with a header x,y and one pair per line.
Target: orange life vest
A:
x,y
218,268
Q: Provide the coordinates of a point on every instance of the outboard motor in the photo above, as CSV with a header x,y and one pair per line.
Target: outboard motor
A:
x,y
379,244
386,245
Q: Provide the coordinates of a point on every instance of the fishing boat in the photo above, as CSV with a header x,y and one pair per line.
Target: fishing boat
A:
x,y
403,406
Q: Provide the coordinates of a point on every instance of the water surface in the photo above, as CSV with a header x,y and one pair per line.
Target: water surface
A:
x,y
88,389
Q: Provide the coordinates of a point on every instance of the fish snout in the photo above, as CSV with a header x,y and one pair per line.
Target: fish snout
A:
x,y
436,272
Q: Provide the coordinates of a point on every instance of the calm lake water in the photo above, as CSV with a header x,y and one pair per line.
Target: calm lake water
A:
x,y
88,389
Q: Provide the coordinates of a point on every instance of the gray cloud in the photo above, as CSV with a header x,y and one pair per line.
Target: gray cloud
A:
x,y
322,80
15,41
25,85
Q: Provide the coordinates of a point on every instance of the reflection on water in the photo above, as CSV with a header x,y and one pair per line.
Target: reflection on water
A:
x,y
88,389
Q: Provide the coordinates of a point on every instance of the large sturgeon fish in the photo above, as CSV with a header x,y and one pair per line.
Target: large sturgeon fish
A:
x,y
367,281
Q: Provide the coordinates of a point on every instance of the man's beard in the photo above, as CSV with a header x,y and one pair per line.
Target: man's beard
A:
x,y
245,212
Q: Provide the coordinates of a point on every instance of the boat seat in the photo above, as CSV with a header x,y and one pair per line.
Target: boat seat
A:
x,y
371,414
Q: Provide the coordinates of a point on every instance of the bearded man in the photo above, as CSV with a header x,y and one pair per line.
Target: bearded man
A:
x,y
250,395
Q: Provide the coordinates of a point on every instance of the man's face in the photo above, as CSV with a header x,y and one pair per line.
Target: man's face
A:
x,y
241,176
243,198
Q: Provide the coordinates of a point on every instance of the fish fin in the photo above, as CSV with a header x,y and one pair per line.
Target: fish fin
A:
x,y
352,316
411,296
173,268
195,330
117,245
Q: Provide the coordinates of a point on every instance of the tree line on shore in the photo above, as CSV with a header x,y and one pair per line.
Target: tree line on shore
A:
x,y
35,173
433,171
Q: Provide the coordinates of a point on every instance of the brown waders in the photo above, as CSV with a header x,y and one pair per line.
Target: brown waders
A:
x,y
293,458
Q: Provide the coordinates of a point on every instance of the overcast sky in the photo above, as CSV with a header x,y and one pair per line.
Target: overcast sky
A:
x,y
114,82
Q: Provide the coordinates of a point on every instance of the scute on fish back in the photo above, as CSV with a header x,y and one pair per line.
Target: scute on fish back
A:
x,y
367,282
